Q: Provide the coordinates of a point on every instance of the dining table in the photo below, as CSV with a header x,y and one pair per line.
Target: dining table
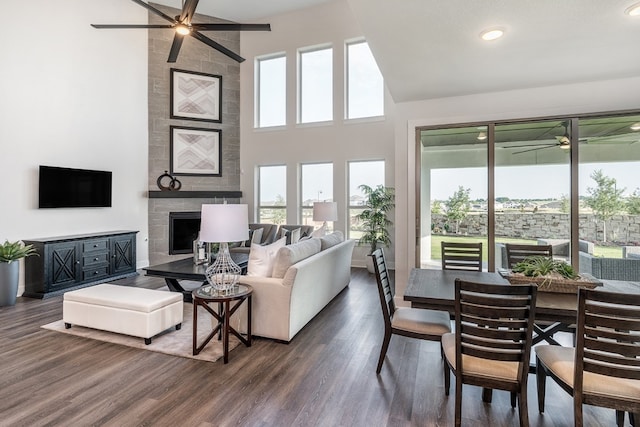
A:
x,y
434,289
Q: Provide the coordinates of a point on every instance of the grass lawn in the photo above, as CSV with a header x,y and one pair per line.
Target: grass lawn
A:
x,y
601,251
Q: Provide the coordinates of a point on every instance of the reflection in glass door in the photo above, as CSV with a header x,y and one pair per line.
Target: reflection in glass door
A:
x,y
532,186
453,190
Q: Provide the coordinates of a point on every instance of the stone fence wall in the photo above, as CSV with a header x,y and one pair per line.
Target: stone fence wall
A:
x,y
620,228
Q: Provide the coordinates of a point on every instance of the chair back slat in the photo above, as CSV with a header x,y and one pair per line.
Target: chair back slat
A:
x,y
607,335
384,286
517,253
461,256
494,322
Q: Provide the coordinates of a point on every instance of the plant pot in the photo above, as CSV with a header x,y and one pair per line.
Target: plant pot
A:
x,y
8,282
370,267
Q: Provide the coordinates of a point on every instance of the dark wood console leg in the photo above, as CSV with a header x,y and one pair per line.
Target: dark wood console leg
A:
x,y
174,286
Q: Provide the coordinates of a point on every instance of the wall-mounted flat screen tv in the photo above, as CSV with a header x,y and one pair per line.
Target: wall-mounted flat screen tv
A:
x,y
73,188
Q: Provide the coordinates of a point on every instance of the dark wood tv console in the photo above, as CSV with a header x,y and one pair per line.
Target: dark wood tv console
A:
x,y
70,262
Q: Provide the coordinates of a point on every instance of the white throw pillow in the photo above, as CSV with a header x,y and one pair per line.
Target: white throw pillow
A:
x,y
262,258
320,232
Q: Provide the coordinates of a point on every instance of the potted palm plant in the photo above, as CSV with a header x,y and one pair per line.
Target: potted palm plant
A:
x,y
374,218
10,254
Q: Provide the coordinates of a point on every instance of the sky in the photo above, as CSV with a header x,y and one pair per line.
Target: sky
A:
x,y
530,182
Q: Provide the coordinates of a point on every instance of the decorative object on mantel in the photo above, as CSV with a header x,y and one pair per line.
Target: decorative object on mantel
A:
x,y
550,275
224,223
196,96
183,26
195,151
10,254
174,183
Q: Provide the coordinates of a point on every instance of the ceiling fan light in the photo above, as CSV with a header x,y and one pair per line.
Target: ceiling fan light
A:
x,y
633,10
183,30
635,126
565,146
482,136
491,34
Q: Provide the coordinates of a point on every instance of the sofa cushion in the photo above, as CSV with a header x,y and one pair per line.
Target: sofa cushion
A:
x,y
331,240
291,254
262,258
255,236
292,235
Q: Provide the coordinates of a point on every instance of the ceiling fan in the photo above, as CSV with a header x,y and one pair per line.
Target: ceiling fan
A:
x,y
183,26
563,141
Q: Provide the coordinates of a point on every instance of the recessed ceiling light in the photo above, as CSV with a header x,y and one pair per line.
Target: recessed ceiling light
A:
x,y
633,10
635,126
491,34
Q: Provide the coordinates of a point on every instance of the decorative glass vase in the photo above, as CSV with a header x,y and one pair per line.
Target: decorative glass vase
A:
x,y
199,251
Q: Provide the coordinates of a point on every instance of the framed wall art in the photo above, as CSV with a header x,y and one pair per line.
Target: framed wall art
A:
x,y
195,151
196,96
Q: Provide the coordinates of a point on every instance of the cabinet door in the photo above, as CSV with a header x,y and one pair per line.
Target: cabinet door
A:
x,y
123,253
63,267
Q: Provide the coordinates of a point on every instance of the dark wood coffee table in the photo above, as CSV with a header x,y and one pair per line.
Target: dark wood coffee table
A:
x,y
185,269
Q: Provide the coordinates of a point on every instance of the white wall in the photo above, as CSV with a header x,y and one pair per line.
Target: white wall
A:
x,y
73,96
577,98
338,142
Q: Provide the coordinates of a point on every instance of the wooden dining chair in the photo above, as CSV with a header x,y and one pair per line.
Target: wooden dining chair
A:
x,y
461,256
604,367
492,341
516,253
409,322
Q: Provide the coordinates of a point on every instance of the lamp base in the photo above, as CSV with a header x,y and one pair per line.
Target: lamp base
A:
x,y
224,273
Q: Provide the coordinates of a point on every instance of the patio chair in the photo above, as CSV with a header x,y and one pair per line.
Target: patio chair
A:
x,y
409,322
516,253
604,367
492,341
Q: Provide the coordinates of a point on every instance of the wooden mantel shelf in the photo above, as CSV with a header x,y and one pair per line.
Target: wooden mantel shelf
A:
x,y
194,194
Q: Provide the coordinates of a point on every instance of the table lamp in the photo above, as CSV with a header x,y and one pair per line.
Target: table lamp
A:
x,y
325,211
224,223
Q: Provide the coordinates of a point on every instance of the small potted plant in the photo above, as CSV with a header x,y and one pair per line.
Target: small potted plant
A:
x,y
374,218
10,254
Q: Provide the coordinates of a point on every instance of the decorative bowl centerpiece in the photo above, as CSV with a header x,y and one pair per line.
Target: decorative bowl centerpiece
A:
x,y
550,275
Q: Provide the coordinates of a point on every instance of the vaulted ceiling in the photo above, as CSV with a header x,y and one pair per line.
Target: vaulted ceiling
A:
x,y
431,48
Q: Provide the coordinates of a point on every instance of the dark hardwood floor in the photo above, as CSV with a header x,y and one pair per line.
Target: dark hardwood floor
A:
x,y
325,376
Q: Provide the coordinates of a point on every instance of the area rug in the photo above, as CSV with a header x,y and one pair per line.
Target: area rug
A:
x,y
176,343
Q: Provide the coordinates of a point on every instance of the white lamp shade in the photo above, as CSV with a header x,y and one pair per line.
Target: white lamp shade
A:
x,y
224,223
325,211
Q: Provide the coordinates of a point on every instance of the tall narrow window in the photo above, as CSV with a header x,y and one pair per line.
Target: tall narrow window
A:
x,y
315,85
272,194
271,91
365,86
316,186
369,173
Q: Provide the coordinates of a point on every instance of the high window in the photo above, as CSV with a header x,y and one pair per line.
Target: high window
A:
x,y
365,86
369,173
315,85
316,185
272,194
271,91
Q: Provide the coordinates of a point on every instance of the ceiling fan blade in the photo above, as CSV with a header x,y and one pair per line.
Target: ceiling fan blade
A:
x,y
154,10
206,40
534,149
188,10
531,145
129,26
232,27
175,47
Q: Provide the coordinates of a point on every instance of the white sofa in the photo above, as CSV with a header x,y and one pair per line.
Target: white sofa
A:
x,y
303,285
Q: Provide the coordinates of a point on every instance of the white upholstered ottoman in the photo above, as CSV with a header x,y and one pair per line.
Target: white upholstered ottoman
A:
x,y
138,312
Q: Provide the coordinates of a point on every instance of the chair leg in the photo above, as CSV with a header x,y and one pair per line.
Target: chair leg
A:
x,y
620,418
541,382
632,418
458,401
513,399
383,350
447,378
523,408
577,409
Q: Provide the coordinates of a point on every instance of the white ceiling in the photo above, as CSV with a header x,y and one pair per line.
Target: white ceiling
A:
x,y
431,48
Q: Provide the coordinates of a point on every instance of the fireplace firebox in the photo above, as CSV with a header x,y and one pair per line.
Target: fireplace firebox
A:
x,y
183,230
